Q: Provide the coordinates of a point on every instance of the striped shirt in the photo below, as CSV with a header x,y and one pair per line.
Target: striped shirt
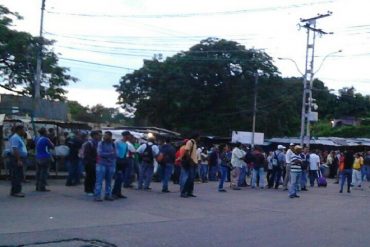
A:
x,y
296,162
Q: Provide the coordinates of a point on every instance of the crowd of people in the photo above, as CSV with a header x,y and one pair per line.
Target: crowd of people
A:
x,y
112,165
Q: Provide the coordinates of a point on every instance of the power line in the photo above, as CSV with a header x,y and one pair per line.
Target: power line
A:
x,y
186,15
93,63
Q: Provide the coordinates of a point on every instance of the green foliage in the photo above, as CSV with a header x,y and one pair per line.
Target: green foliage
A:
x,y
18,52
325,129
96,114
210,88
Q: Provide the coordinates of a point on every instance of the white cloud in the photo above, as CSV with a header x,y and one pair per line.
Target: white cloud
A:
x,y
85,96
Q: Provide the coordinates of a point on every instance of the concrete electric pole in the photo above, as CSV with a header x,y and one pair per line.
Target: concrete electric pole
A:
x,y
307,115
39,56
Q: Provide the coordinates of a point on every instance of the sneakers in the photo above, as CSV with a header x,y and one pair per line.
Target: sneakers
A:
x,y
119,196
108,198
19,195
166,191
43,190
222,190
191,195
98,199
184,196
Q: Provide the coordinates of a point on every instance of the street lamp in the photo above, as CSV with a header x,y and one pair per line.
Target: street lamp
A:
x,y
307,114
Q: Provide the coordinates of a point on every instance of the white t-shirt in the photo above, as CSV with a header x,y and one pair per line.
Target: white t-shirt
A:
x,y
314,161
288,156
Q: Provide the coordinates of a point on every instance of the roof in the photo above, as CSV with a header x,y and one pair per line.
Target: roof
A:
x,y
326,141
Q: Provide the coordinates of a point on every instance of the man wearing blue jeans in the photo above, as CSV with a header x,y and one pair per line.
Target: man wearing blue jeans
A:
x,y
347,171
167,163
105,167
258,168
189,162
295,171
224,167
18,156
147,152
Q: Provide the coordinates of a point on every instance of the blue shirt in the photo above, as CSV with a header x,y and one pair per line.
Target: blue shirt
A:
x,y
43,144
106,153
16,142
121,149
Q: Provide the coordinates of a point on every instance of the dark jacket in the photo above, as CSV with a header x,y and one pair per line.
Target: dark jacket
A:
x,y
348,160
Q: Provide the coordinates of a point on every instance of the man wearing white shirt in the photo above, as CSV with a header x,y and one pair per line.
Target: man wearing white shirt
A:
x,y
237,162
314,166
288,157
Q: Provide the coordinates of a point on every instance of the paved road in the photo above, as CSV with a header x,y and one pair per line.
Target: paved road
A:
x,y
321,217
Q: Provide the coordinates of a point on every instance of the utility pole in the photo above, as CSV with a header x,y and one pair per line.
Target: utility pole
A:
x,y
37,84
310,25
254,107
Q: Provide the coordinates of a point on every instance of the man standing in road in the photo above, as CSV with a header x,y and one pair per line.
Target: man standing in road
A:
x,y
105,167
278,163
189,162
167,163
43,159
18,156
295,171
237,162
89,160
288,157
147,152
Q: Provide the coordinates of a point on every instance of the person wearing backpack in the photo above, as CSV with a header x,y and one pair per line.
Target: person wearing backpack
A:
x,y
43,159
305,155
105,167
278,162
167,163
89,159
147,152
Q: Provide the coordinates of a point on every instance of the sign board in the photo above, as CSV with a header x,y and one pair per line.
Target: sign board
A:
x,y
313,116
246,137
2,117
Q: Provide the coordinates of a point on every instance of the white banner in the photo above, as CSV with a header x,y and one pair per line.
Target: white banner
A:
x,y
246,137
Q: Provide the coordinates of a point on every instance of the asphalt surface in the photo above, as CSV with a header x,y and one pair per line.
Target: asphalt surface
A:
x,y
67,217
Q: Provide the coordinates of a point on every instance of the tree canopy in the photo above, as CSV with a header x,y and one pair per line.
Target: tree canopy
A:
x,y
210,88
18,52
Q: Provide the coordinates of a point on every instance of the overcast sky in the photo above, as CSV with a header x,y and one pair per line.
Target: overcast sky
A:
x,y
122,33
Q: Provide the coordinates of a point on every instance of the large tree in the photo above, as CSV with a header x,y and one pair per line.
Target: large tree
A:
x,y
18,52
210,88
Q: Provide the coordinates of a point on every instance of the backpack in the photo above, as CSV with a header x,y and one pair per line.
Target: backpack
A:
x,y
275,160
81,151
147,155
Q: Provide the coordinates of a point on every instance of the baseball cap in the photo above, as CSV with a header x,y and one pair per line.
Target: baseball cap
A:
x,y
281,147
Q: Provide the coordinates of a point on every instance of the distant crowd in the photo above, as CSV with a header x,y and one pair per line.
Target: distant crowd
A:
x,y
107,166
